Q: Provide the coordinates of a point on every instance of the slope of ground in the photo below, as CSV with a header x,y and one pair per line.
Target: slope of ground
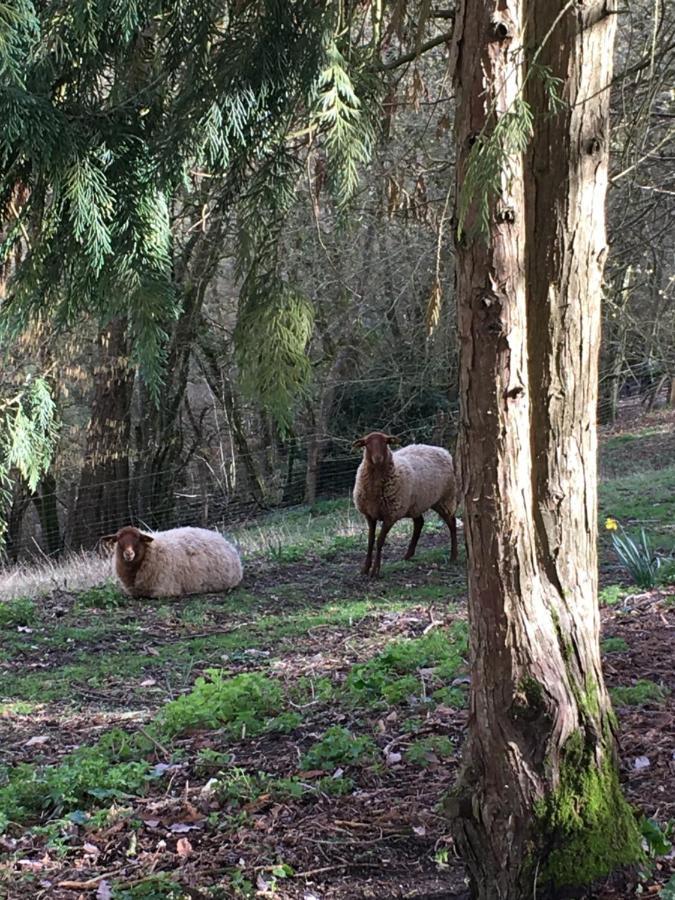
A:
x,y
312,762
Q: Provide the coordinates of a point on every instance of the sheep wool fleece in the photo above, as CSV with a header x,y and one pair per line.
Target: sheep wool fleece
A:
x,y
422,476
186,561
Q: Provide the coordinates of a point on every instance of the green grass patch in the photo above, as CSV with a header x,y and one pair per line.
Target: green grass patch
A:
x,y
647,498
393,676
613,645
19,612
643,691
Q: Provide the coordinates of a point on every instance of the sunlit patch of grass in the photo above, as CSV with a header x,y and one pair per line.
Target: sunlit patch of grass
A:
x,y
642,500
76,572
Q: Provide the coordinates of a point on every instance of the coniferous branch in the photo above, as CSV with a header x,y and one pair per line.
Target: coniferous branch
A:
x,y
28,432
489,162
337,113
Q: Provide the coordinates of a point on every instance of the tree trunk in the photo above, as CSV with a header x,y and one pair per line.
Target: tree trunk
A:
x,y
46,504
615,327
102,503
538,805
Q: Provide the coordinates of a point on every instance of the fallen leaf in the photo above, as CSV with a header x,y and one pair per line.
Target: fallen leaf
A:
x,y
38,739
151,823
641,762
419,830
181,827
183,847
392,758
104,892
148,682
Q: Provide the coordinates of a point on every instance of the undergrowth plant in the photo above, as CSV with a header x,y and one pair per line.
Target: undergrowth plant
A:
x,y
395,675
242,704
637,556
19,612
339,747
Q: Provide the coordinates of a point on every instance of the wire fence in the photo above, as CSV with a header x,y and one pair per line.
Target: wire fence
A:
x,y
215,487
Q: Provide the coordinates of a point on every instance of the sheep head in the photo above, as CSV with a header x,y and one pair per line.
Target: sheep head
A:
x,y
131,544
376,446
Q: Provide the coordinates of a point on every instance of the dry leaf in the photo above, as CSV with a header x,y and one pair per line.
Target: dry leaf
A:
x,y
183,847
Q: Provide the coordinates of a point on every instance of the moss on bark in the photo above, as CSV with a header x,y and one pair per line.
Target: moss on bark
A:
x,y
586,824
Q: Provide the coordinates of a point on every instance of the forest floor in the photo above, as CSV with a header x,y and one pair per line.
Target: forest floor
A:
x,y
312,762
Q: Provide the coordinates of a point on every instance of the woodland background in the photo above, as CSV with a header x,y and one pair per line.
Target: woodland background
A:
x,y
208,443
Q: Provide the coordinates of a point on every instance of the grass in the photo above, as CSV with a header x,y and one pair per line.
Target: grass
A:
x,y
613,645
265,693
643,691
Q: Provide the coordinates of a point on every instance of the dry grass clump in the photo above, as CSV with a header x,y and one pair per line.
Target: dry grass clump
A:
x,y
76,572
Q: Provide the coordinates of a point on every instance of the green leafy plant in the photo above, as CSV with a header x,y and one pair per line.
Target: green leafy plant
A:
x,y
155,887
105,596
21,611
87,776
339,747
613,645
242,704
636,555
393,675
428,750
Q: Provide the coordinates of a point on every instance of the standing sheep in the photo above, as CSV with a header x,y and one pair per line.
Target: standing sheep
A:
x,y
392,486
174,563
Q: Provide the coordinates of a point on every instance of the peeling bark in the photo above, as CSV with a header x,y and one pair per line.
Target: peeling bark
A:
x,y
539,787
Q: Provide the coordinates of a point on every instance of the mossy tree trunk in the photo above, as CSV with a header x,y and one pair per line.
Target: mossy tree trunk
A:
x,y
538,805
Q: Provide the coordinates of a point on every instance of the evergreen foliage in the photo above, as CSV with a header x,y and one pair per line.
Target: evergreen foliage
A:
x,y
106,110
27,436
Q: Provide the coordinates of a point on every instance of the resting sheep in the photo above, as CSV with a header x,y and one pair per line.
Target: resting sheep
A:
x,y
174,563
392,486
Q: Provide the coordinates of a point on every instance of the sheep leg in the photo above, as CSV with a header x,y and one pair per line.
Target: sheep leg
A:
x,y
418,523
372,524
451,522
384,531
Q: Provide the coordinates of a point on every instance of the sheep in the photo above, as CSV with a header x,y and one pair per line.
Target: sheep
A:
x,y
392,486
174,563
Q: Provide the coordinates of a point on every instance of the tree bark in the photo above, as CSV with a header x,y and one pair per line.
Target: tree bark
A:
x,y
538,805
102,503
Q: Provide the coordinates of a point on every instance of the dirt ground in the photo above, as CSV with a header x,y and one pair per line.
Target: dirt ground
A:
x,y
79,670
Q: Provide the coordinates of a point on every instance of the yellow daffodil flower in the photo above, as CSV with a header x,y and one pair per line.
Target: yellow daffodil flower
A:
x,y
611,524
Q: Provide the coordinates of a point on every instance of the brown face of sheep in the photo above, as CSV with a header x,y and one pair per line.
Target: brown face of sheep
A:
x,y
130,544
376,445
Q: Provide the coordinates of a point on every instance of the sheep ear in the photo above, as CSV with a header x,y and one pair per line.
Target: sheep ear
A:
x,y
361,442
391,440
147,539
108,539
